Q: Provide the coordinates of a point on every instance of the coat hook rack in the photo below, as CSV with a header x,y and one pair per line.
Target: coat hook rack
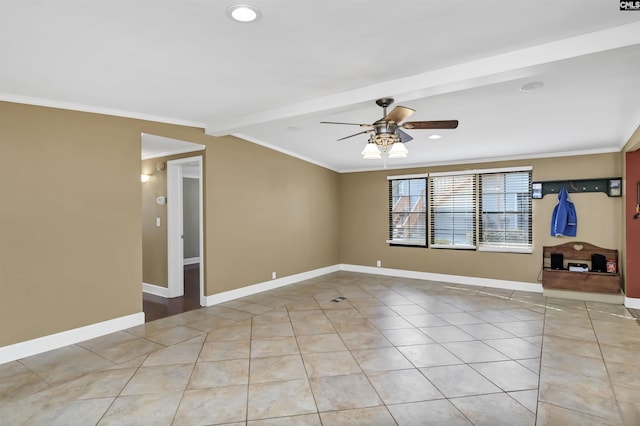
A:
x,y
610,186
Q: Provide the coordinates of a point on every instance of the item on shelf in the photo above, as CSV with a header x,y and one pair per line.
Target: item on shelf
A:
x,y
612,267
578,267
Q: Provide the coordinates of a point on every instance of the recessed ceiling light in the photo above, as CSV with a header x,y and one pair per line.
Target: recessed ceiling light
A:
x,y
435,137
243,13
530,87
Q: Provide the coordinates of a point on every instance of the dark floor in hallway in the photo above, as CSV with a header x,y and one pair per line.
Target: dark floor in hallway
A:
x,y
156,307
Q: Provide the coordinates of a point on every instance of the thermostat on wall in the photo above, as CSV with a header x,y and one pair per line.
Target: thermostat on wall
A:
x,y
161,200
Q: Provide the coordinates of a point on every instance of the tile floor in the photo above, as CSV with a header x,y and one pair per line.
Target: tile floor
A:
x,y
396,351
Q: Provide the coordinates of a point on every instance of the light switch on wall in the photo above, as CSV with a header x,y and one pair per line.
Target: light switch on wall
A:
x,y
157,221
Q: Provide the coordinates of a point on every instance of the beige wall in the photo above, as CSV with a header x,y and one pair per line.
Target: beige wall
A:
x,y
70,217
270,213
70,252
364,206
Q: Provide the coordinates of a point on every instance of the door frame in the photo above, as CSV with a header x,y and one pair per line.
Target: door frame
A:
x,y
175,247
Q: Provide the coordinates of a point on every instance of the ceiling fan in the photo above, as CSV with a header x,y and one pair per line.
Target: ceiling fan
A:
x,y
387,132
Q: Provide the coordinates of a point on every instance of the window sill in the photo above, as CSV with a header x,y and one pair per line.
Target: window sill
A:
x,y
497,249
445,246
399,243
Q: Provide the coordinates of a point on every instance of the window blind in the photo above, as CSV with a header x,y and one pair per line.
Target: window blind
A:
x,y
505,206
408,210
453,210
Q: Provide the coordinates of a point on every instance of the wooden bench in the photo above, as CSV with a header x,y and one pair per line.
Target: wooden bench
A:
x,y
579,252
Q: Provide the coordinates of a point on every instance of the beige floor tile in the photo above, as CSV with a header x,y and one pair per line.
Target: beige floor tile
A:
x,y
158,409
225,349
630,412
522,328
426,320
508,375
322,364
428,413
474,351
528,398
390,323
585,402
212,406
515,348
220,373
364,339
262,331
241,332
273,316
344,392
130,350
159,379
575,363
321,343
406,337
379,310
82,412
276,368
173,335
280,399
274,346
447,333
429,355
412,309
311,327
496,409
107,341
301,420
460,318
485,331
381,359
400,386
378,416
553,415
459,380
186,353
20,385
101,384
54,366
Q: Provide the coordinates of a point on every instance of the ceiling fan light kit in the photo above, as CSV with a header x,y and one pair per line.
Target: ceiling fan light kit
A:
x,y
388,133
371,151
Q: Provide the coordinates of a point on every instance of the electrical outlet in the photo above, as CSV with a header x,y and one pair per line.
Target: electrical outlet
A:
x,y
378,263
273,275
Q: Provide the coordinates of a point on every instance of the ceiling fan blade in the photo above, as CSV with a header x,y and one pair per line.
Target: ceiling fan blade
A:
x,y
404,136
398,114
445,124
349,124
356,134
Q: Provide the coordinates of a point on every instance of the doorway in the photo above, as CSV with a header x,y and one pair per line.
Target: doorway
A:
x,y
173,238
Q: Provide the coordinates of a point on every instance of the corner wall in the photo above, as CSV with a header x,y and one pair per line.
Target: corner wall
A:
x,y
364,206
70,217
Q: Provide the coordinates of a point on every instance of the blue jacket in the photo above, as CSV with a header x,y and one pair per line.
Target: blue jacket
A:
x,y
564,221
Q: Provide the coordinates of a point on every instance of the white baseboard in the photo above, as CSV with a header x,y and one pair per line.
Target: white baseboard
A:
x,y
453,279
191,260
250,290
631,302
155,289
69,337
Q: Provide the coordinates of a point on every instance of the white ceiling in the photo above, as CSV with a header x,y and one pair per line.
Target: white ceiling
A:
x,y
302,62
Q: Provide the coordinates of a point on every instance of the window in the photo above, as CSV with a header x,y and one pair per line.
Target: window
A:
x,y
408,210
453,210
505,206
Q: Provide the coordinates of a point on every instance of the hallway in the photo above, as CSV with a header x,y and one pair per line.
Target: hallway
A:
x,y
156,307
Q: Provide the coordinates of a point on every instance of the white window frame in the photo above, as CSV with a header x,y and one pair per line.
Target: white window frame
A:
x,y
403,242
432,205
505,248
